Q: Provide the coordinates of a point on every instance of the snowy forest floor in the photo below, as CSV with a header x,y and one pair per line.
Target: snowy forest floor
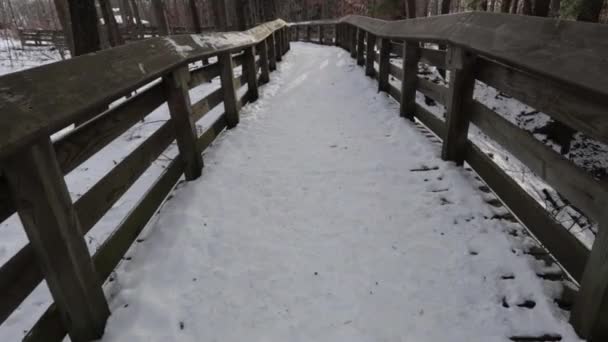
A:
x,y
325,217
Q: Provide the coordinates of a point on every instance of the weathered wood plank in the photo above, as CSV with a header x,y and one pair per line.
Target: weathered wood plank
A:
x,y
203,106
579,187
460,94
83,142
33,105
180,109
384,61
229,88
203,75
582,110
411,53
103,195
41,195
19,276
566,248
433,90
433,57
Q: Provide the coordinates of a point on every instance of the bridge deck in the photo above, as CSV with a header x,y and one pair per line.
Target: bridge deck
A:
x,y
325,217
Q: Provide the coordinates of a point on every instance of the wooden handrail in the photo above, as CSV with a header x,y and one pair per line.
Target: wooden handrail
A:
x,y
32,105
572,53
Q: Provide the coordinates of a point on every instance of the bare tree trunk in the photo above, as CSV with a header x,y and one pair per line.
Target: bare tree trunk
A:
x,y
505,6
114,36
554,8
220,13
63,13
514,6
445,6
541,8
590,10
196,22
411,8
127,16
527,7
85,33
161,17
139,25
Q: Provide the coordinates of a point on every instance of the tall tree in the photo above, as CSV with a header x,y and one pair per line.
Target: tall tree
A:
x,y
161,17
114,36
63,13
445,6
196,21
220,14
411,8
85,33
541,8
138,23
505,5
590,10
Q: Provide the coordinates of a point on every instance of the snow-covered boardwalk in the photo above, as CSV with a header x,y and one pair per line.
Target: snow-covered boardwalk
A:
x,y
325,217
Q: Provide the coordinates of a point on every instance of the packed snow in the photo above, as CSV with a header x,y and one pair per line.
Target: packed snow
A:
x,y
325,217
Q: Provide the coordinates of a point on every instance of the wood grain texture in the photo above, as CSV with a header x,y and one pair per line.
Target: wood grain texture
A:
x,y
32,105
579,187
460,95
41,195
582,110
180,109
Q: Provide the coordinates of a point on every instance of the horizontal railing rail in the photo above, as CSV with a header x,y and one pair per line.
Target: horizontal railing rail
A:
x,y
557,67
150,73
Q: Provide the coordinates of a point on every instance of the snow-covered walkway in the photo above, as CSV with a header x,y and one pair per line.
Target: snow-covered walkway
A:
x,y
325,217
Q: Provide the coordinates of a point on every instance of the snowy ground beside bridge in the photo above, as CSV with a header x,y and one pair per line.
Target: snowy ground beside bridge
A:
x,y
325,217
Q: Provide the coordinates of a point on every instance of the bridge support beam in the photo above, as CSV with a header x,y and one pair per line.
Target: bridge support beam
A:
x,y
459,96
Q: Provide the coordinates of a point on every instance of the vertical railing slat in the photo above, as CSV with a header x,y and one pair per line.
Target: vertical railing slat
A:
x,y
411,57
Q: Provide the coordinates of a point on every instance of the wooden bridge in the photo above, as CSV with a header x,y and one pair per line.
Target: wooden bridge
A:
x,y
557,67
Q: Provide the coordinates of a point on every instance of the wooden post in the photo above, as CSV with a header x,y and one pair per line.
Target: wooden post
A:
x,y
590,313
41,197
178,99
287,40
321,34
272,53
264,64
252,78
308,33
460,94
385,50
229,89
278,41
411,57
337,34
353,41
360,47
370,55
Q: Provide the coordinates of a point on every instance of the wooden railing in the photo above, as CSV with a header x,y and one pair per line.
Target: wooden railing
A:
x,y
557,67
38,102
